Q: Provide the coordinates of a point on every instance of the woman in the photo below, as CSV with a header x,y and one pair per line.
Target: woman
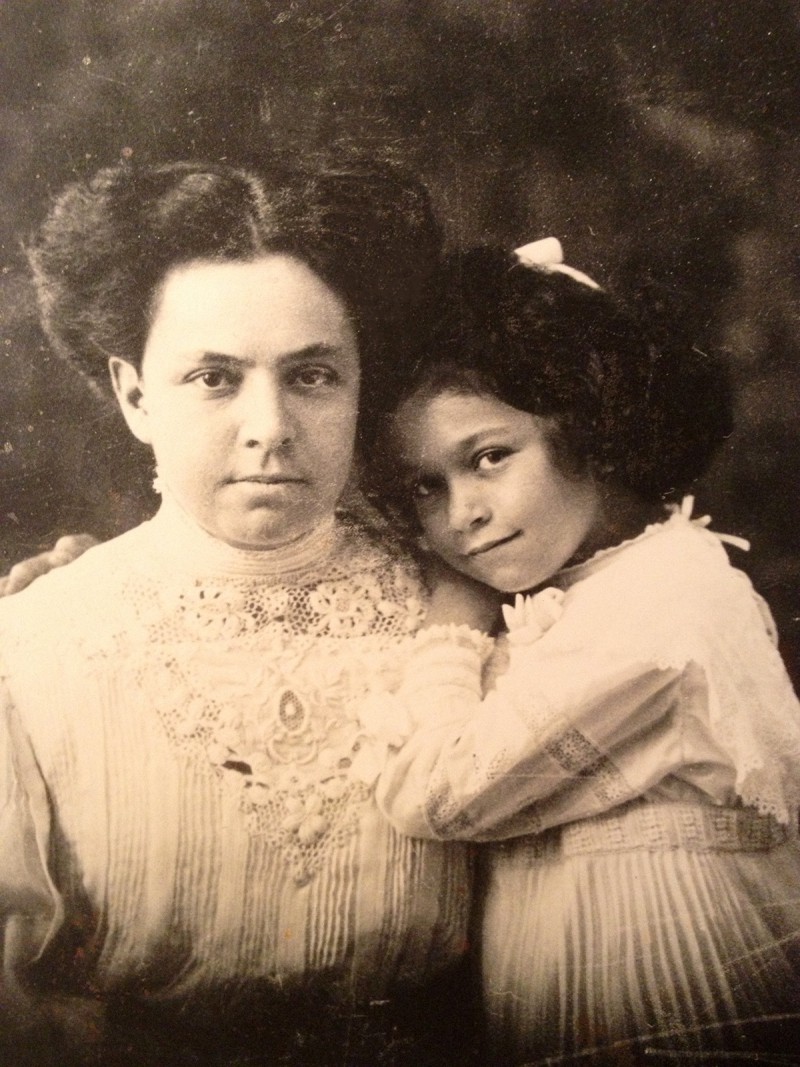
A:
x,y
192,866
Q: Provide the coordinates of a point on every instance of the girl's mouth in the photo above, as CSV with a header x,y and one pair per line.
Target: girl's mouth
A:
x,y
488,546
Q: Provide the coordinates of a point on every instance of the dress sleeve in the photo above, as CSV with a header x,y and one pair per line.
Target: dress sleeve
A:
x,y
30,906
567,732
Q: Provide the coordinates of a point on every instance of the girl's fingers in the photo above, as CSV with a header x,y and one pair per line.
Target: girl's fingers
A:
x,y
22,574
66,549
70,547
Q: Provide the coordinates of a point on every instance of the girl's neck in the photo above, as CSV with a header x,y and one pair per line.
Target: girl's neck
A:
x,y
623,517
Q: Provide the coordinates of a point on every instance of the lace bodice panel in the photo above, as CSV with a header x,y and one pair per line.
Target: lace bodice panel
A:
x,y
185,723
258,683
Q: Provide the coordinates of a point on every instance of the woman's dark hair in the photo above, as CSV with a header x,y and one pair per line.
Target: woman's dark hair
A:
x,y
108,243
640,411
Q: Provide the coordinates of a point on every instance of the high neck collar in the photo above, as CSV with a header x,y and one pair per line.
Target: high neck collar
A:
x,y
191,548
678,517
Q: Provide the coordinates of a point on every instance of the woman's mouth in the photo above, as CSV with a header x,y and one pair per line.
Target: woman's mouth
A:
x,y
269,479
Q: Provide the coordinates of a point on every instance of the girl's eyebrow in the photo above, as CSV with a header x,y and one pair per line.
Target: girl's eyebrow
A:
x,y
471,441
460,448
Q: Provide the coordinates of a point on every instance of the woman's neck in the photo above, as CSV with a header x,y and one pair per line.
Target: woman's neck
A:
x,y
192,547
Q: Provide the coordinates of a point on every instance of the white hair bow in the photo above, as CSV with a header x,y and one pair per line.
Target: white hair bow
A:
x,y
549,254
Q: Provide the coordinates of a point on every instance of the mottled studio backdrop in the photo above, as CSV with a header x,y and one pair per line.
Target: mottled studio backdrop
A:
x,y
659,140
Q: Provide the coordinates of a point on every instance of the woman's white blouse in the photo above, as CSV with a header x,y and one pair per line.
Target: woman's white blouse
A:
x,y
648,672
181,787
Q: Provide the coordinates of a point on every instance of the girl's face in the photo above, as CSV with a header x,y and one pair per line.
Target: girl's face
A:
x,y
248,395
488,496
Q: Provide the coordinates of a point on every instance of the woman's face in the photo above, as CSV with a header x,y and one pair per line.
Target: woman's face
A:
x,y
248,395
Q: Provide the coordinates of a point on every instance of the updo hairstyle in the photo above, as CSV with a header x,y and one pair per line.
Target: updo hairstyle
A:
x,y
109,242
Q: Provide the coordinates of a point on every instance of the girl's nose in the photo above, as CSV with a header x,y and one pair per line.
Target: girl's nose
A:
x,y
265,418
468,509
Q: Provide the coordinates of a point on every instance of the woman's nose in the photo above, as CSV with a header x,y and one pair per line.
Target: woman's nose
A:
x,y
265,419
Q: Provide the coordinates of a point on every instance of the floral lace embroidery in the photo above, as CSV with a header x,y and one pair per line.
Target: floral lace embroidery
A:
x,y
254,683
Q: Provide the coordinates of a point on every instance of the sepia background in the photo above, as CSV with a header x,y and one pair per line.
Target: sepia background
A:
x,y
658,140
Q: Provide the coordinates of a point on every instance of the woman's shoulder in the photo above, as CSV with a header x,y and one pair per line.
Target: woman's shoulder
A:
x,y
77,589
370,585
374,546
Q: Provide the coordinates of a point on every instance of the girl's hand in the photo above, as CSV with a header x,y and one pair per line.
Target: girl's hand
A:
x,y
460,600
65,550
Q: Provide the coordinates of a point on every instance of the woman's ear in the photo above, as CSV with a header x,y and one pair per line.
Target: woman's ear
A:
x,y
127,383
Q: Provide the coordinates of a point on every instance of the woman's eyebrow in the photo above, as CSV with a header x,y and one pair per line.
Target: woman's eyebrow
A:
x,y
217,359
322,350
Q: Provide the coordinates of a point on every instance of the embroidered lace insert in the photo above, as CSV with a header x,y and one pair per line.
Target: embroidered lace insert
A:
x,y
257,682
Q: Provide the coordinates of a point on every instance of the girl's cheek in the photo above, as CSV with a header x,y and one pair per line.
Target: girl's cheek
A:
x,y
437,542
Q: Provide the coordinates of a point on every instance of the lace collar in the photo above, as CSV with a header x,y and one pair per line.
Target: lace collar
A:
x,y
678,515
187,547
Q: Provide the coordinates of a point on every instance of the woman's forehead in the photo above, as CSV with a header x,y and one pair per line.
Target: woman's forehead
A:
x,y
274,304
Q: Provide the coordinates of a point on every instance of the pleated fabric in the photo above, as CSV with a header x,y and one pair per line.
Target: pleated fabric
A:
x,y
624,954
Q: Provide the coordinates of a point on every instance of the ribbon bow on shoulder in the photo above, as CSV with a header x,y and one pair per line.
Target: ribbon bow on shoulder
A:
x,y
685,509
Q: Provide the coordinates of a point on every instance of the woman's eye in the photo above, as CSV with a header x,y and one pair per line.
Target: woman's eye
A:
x,y
214,379
490,458
313,377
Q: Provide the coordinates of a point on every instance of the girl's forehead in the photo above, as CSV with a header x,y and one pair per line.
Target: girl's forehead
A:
x,y
437,427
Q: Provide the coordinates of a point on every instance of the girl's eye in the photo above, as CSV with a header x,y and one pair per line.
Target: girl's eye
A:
x,y
490,458
314,377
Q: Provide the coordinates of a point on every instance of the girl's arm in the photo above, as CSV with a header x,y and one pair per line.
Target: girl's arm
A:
x,y
560,737
458,600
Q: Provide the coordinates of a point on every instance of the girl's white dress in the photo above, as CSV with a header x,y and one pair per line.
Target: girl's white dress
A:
x,y
637,766
185,817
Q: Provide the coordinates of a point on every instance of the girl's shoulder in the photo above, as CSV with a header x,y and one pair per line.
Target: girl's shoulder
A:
x,y
678,557
672,599
673,589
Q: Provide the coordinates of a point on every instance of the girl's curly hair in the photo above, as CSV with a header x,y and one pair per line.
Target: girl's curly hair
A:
x,y
642,411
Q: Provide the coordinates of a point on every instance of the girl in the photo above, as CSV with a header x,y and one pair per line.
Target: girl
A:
x,y
636,766
192,866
